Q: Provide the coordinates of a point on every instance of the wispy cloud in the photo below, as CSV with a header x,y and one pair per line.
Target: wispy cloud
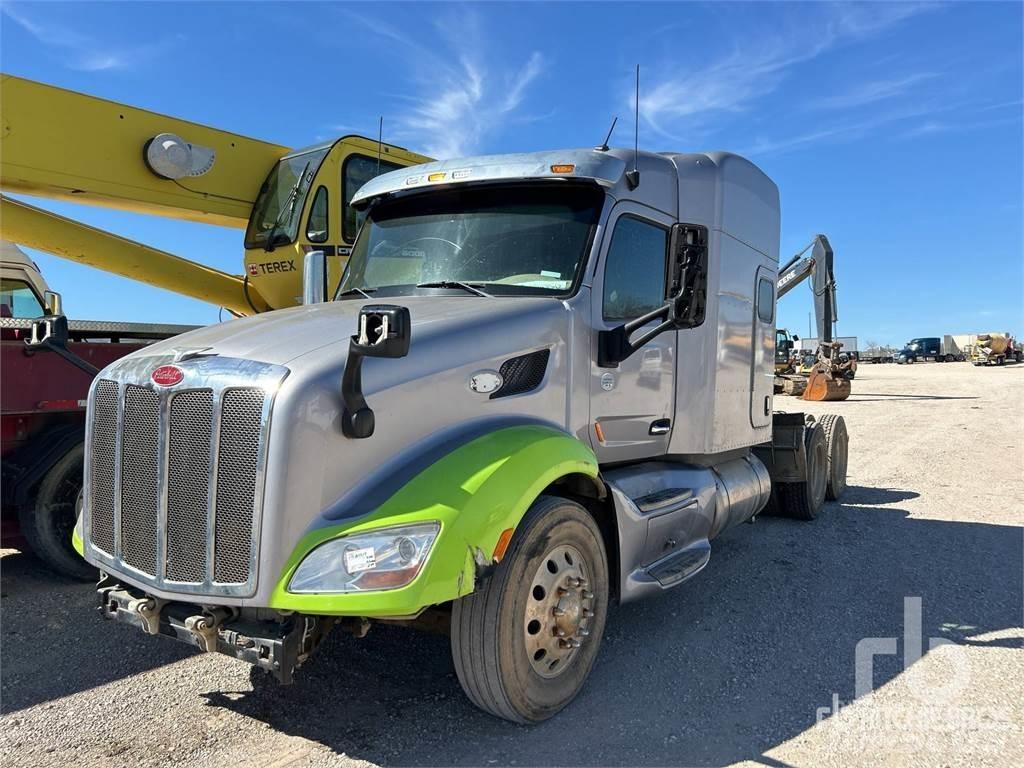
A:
x,y
933,127
870,93
468,95
79,51
694,101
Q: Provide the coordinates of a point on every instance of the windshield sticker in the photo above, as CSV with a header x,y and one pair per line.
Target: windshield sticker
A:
x,y
546,273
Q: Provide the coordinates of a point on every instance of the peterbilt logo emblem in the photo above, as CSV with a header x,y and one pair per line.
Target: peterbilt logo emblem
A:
x,y
167,375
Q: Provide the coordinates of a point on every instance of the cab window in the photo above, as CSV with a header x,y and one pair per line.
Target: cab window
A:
x,y
356,171
17,299
634,272
316,227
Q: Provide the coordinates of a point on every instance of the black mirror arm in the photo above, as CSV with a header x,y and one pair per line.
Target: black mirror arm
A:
x,y
615,345
358,420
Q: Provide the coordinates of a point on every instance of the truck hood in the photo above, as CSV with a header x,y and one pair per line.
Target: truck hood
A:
x,y
285,335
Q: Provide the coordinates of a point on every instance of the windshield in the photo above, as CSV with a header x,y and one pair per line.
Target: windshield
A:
x,y
521,240
275,215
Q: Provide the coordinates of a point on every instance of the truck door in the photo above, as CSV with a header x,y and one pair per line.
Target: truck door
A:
x,y
762,368
633,403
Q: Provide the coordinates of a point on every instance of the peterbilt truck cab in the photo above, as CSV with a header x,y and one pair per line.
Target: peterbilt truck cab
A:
x,y
543,386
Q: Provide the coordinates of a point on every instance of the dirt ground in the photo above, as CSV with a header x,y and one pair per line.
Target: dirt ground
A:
x,y
919,572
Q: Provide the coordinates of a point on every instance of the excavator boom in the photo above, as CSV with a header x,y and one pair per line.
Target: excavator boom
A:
x,y
826,380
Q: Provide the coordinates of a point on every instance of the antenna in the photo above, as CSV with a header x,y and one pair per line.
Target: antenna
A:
x,y
380,141
604,145
633,177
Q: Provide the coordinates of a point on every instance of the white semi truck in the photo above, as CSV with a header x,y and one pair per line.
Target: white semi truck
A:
x,y
543,386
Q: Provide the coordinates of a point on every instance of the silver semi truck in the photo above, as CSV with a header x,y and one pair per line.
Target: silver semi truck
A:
x,y
543,386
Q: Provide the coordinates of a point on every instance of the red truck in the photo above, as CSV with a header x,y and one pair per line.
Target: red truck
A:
x,y
47,364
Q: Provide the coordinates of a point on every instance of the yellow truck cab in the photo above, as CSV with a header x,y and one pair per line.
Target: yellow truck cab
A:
x,y
304,205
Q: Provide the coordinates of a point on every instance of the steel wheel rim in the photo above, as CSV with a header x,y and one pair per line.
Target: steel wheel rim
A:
x,y
559,611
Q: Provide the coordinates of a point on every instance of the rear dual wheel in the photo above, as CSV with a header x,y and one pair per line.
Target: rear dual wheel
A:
x,y
525,641
826,442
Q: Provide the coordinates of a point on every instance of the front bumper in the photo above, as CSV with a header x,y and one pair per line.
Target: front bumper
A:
x,y
277,647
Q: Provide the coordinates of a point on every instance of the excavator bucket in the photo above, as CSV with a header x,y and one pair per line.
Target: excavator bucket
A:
x,y
822,385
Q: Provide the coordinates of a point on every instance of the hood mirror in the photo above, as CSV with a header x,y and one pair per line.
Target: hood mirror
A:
x,y
383,330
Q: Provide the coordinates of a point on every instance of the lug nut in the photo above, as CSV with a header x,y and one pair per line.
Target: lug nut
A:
x,y
587,613
583,632
587,595
558,611
559,632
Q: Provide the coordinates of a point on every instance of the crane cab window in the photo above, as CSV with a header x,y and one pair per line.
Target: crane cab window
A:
x,y
634,270
765,300
17,299
356,171
316,227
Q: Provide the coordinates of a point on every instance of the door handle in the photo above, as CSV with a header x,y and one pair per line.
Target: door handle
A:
x,y
660,427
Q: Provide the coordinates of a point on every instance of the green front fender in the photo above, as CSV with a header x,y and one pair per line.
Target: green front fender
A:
x,y
476,492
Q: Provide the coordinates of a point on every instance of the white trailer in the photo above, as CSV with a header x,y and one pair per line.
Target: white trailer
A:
x,y
849,345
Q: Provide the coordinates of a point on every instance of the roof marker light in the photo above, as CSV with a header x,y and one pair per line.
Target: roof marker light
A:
x,y
436,176
566,168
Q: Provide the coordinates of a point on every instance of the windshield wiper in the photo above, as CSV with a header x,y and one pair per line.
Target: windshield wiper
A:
x,y
469,288
361,291
289,206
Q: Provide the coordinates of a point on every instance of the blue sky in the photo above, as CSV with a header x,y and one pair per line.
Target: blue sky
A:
x,y
894,128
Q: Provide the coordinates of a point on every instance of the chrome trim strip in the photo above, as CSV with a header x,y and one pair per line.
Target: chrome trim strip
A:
x,y
163,470
218,374
118,441
211,496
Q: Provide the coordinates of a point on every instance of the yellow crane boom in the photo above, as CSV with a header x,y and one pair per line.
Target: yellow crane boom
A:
x,y
46,231
63,145
69,146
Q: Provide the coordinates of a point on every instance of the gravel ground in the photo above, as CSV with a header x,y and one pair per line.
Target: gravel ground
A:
x,y
734,666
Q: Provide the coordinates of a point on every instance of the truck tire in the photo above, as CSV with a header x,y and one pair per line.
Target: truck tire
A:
x,y
48,525
804,500
524,642
837,442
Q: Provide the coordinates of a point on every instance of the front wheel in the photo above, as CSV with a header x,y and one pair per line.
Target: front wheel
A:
x,y
524,643
48,525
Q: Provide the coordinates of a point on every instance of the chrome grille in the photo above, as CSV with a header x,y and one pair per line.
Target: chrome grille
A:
x,y
175,475
101,469
188,452
139,468
236,482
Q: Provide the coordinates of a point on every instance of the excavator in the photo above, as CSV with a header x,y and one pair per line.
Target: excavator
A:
x,y
63,145
827,378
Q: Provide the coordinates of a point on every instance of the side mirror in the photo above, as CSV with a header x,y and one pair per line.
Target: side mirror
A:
x,y
54,303
384,330
795,337
314,277
686,303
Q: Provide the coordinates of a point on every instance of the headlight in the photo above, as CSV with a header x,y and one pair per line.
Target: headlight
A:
x,y
387,558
